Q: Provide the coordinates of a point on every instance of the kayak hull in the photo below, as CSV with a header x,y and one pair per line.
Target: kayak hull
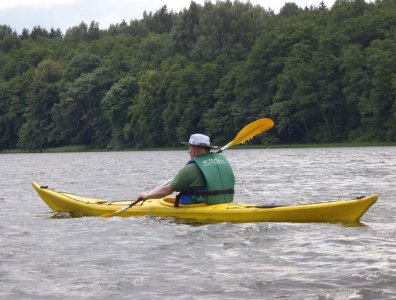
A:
x,y
343,211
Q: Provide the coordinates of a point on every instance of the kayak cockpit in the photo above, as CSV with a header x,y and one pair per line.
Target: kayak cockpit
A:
x,y
170,202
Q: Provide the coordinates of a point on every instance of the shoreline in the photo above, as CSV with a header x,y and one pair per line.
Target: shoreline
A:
x,y
71,149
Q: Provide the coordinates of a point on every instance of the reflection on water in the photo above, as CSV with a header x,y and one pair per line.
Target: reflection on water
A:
x,y
61,256
65,215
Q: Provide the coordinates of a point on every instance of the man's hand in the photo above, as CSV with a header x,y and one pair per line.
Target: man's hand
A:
x,y
144,196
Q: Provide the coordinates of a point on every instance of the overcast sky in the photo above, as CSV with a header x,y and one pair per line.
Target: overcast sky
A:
x,y
63,14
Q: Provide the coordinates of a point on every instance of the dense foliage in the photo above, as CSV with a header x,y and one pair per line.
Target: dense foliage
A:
x,y
323,74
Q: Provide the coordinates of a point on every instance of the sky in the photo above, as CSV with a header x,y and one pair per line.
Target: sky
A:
x,y
64,14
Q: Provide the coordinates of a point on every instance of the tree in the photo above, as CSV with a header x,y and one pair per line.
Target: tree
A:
x,y
79,115
93,32
8,38
38,32
382,96
80,64
145,114
115,106
184,31
55,33
77,34
37,132
9,116
227,28
159,22
289,9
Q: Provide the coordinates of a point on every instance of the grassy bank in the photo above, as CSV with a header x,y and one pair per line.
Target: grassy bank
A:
x,y
78,148
74,148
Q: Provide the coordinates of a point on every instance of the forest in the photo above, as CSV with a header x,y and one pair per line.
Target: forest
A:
x,y
323,74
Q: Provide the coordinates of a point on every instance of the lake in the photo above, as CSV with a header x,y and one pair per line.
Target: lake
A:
x,y
50,256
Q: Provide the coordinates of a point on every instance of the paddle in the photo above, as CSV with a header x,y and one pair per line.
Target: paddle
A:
x,y
250,131
247,133
109,215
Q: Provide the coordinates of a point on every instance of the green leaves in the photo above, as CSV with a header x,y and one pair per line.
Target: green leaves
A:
x,y
323,74
36,132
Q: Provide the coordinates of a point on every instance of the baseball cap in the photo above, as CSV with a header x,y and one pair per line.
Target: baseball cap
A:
x,y
201,140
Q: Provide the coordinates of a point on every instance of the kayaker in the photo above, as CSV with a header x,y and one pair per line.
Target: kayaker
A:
x,y
206,178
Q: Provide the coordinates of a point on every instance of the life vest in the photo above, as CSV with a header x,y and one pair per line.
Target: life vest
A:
x,y
219,179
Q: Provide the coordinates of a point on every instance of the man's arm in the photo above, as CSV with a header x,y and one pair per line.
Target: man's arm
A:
x,y
159,192
181,181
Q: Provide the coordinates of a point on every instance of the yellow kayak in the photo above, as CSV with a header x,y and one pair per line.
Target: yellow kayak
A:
x,y
343,211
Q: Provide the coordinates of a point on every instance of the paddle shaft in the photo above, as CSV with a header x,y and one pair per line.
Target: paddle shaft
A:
x,y
139,199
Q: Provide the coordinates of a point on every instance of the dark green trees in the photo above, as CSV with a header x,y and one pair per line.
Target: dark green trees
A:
x,y
323,74
38,131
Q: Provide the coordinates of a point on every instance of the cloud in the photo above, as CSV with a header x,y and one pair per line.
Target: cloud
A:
x,y
5,5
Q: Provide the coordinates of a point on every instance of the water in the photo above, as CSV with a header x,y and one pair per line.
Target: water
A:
x,y
43,256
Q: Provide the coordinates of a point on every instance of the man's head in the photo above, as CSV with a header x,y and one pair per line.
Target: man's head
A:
x,y
199,144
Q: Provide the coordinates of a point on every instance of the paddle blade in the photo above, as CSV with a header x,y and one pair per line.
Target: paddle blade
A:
x,y
109,215
251,130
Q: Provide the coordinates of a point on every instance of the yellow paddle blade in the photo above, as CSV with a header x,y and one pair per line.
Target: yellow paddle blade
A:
x,y
109,215
251,130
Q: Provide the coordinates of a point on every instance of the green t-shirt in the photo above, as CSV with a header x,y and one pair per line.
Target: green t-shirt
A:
x,y
188,177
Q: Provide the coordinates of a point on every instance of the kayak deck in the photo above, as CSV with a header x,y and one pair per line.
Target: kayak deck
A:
x,y
343,211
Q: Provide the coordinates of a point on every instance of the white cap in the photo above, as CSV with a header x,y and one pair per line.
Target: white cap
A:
x,y
200,140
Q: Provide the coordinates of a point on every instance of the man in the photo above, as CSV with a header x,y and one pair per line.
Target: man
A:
x,y
206,178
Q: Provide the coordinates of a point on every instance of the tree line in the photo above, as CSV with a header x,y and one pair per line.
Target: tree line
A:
x,y
324,75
